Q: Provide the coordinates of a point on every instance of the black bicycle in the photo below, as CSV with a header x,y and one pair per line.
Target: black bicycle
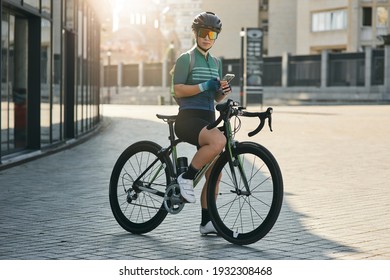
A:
x,y
244,205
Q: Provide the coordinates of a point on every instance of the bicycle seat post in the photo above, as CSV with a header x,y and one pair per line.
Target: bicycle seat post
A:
x,y
170,119
172,140
171,131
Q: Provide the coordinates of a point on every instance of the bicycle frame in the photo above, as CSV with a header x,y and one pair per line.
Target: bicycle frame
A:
x,y
171,151
229,143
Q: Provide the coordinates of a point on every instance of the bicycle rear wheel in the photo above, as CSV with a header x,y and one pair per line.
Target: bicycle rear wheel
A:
x,y
240,215
136,209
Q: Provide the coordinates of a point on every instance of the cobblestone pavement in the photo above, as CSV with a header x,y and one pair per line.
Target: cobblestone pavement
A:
x,y
336,167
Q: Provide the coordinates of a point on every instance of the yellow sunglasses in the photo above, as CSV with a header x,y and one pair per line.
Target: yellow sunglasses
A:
x,y
203,33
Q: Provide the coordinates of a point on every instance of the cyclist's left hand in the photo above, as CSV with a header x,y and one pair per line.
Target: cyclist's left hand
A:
x,y
226,88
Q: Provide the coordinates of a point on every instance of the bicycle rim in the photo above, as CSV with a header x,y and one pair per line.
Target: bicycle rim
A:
x,y
243,217
139,211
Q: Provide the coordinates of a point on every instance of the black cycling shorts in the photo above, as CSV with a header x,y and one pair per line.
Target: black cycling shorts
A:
x,y
190,122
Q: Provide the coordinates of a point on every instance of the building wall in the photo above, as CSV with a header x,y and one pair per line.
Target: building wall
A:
x,y
282,27
234,16
367,35
291,29
354,37
309,41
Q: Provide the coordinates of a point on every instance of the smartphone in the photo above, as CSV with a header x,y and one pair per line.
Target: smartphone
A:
x,y
228,77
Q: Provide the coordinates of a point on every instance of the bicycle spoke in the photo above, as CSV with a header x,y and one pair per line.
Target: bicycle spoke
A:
x,y
238,215
261,201
231,203
152,200
263,182
253,209
244,211
137,187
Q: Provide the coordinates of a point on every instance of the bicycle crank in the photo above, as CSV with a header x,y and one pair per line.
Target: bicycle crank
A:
x,y
173,202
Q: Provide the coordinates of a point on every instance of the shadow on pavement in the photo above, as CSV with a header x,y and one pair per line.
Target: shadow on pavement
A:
x,y
57,208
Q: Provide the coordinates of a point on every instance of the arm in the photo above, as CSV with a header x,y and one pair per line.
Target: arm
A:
x,y
182,71
190,90
183,90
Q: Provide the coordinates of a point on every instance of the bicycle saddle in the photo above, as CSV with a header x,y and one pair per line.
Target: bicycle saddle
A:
x,y
166,117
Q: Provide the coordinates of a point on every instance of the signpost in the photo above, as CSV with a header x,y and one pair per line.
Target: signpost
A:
x,y
253,69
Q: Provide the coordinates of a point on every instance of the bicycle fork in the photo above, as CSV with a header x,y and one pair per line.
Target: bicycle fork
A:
x,y
237,161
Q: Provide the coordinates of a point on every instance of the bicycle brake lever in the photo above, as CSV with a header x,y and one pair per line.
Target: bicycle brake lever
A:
x,y
269,113
270,123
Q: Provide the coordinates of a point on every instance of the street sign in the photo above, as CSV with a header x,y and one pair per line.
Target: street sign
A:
x,y
253,74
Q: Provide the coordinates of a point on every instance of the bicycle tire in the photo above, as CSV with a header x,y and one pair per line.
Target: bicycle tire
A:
x,y
139,211
245,218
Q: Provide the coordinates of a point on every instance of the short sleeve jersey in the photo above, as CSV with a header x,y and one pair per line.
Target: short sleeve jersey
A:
x,y
202,71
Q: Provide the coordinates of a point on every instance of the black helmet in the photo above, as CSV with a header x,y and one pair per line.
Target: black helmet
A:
x,y
207,20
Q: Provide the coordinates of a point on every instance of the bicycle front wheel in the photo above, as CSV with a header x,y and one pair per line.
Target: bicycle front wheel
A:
x,y
245,201
137,187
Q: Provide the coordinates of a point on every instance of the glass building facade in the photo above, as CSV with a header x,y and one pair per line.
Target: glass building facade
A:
x,y
50,73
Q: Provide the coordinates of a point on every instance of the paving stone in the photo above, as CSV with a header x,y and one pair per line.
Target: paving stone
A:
x,y
335,164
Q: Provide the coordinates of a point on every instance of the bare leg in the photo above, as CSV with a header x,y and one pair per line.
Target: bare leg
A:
x,y
212,143
203,197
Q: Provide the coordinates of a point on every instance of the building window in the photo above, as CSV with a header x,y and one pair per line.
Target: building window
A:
x,y
367,16
46,86
327,21
382,17
40,60
264,25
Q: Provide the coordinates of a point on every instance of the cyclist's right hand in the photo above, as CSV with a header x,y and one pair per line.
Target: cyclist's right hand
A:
x,y
212,84
225,88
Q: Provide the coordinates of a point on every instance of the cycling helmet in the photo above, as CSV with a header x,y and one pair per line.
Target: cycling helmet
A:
x,y
207,20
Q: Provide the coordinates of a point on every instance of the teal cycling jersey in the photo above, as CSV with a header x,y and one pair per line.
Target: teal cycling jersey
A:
x,y
204,69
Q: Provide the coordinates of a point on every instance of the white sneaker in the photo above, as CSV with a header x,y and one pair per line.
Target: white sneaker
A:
x,y
186,189
208,228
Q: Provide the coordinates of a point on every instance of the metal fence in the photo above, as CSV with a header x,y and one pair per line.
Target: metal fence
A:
x,y
272,75
110,75
344,70
152,74
130,75
304,70
378,66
